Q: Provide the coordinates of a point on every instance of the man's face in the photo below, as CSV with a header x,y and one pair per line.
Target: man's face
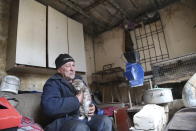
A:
x,y
67,70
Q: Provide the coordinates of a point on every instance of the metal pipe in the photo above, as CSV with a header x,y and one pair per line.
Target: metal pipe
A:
x,y
150,81
130,103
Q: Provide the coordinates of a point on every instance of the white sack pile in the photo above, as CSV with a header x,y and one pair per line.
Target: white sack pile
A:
x,y
150,117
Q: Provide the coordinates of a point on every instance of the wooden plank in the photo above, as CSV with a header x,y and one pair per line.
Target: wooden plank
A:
x,y
76,44
122,120
183,120
31,34
57,35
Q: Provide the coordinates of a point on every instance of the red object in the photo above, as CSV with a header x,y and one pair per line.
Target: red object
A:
x,y
9,117
109,111
122,121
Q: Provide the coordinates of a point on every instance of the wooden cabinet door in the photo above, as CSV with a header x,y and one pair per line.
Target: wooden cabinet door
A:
x,y
57,35
31,34
76,44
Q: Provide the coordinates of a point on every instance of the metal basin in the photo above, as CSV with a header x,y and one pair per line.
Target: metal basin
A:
x,y
158,96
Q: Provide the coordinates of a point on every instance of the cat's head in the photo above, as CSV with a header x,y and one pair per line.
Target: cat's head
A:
x,y
78,84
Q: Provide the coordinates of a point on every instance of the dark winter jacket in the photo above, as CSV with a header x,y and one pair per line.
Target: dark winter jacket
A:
x,y
58,98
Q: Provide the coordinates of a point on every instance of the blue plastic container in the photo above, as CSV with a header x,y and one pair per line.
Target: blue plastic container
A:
x,y
135,74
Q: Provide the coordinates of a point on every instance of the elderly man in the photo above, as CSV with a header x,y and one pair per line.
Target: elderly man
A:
x,y
61,102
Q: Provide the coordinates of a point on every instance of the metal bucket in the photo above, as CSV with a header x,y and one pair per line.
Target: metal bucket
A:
x,y
158,96
10,84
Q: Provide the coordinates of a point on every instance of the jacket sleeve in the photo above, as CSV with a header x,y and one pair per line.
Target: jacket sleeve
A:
x,y
54,105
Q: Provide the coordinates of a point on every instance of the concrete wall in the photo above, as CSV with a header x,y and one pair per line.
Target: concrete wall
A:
x,y
4,19
109,49
179,22
90,63
31,81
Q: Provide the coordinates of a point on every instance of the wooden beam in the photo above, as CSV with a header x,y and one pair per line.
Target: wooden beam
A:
x,y
83,13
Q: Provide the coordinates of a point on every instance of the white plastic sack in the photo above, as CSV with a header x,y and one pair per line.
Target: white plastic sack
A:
x,y
150,117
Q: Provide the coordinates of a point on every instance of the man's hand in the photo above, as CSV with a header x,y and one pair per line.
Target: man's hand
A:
x,y
80,96
91,110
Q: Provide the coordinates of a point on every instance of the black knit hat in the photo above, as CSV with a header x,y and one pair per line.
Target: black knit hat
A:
x,y
62,59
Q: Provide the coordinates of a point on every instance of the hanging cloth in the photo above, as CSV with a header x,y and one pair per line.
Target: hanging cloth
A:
x,y
129,51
